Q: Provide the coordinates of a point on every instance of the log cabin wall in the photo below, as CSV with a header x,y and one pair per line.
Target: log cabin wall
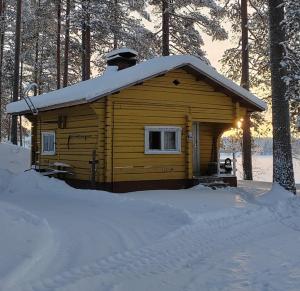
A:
x,y
114,126
175,99
83,132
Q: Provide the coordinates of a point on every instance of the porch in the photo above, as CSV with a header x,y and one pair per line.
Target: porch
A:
x,y
208,168
218,181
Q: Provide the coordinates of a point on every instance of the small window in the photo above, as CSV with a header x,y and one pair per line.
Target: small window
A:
x,y
48,143
170,140
155,140
162,140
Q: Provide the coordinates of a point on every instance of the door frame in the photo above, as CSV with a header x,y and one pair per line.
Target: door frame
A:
x,y
196,148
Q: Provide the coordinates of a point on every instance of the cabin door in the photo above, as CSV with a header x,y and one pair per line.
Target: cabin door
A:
x,y
196,149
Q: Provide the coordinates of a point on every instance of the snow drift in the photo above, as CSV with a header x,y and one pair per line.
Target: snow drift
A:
x,y
54,237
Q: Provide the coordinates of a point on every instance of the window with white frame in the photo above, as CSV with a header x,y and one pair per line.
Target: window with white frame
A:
x,y
48,143
162,140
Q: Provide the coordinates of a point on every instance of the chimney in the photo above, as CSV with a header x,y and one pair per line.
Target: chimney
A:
x,y
122,58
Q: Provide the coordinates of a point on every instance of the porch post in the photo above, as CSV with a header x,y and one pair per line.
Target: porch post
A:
x,y
215,147
189,148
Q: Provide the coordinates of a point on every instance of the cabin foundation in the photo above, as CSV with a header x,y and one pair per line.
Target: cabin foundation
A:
x,y
129,186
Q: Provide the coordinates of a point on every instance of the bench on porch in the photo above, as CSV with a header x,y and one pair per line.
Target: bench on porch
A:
x,y
56,169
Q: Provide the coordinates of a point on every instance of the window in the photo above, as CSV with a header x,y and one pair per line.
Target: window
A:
x,y
154,140
48,143
162,140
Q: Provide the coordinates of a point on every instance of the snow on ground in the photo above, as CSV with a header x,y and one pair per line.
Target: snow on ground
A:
x,y
263,168
14,159
54,237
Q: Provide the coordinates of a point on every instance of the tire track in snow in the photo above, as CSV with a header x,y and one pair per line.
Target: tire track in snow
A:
x,y
284,211
45,241
288,213
175,251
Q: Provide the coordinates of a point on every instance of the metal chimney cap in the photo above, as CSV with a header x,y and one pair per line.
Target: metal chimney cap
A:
x,y
124,52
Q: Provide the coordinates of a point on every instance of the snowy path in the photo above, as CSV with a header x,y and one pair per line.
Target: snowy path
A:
x,y
25,240
86,225
204,243
170,260
54,237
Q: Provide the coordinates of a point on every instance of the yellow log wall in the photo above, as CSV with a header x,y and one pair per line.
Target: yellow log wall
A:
x,y
84,133
114,127
160,102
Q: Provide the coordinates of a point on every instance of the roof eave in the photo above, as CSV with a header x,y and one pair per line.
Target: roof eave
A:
x,y
254,106
52,107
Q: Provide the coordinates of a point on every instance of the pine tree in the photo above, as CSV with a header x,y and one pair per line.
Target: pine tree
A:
x,y
58,7
2,38
258,44
259,58
282,153
292,49
126,30
86,39
181,23
67,44
247,154
8,25
165,28
113,25
14,121
257,50
36,47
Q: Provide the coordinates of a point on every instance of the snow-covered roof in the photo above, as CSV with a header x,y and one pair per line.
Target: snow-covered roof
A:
x,y
121,51
113,81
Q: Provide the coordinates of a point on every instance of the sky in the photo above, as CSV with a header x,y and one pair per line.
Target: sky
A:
x,y
214,50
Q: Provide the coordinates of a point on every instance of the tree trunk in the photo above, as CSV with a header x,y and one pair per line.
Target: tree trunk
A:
x,y
165,28
36,59
40,68
9,127
115,40
86,45
83,51
283,172
20,131
2,34
67,44
14,122
58,7
21,96
247,154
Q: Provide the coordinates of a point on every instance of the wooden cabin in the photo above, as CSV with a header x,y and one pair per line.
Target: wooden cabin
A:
x,y
150,125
